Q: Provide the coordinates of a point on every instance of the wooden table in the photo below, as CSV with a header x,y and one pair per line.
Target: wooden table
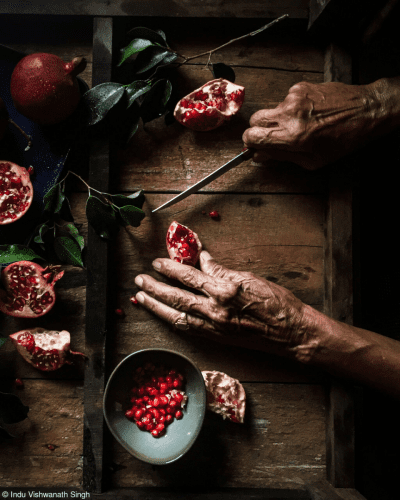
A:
x,y
275,220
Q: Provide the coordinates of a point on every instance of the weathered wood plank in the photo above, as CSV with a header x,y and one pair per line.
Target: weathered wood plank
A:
x,y
280,445
55,417
176,8
97,284
339,297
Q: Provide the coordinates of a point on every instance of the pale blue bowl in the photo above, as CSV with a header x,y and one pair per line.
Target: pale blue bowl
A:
x,y
181,434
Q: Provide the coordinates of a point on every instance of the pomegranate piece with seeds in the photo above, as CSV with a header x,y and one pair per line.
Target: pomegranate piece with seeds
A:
x,y
29,289
165,402
225,396
183,244
46,350
210,106
16,192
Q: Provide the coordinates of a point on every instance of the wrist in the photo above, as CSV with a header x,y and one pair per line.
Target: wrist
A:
x,y
384,103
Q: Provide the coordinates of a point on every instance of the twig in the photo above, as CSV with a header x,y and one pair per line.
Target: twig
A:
x,y
210,52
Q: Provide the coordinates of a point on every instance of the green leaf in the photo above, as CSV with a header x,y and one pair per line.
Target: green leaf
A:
x,y
162,34
54,199
2,341
74,232
101,99
221,70
136,89
11,409
68,251
65,212
148,34
101,217
40,231
15,253
155,102
126,124
136,199
136,45
151,57
131,216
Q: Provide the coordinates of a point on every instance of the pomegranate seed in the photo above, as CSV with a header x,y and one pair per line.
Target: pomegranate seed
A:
x,y
177,383
162,411
138,414
155,433
19,383
119,312
149,427
51,447
129,414
160,427
133,300
156,401
178,414
161,419
178,397
140,425
214,214
168,419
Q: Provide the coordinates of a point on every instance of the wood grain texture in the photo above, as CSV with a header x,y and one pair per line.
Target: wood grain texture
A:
x,y
168,8
97,256
280,445
55,417
339,296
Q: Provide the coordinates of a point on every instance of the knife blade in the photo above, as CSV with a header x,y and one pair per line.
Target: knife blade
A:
x,y
241,157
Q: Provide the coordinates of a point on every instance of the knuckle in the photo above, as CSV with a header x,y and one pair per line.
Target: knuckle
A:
x,y
188,276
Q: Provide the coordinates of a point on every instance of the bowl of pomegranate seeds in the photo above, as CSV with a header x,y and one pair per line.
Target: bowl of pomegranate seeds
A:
x,y
154,404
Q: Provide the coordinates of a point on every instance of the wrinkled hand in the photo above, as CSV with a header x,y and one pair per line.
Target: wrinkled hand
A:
x,y
316,124
234,307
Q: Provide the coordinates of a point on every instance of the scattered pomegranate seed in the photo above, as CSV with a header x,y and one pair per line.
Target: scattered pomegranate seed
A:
x,y
133,300
120,312
30,170
214,214
178,415
51,447
19,383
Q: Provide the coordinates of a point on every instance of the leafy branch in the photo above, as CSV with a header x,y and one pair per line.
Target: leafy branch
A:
x,y
147,97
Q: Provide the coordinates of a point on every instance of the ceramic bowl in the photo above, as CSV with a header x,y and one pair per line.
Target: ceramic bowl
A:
x,y
180,434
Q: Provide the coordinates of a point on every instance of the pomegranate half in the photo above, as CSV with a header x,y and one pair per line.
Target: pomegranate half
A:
x,y
16,192
29,289
183,244
210,106
46,350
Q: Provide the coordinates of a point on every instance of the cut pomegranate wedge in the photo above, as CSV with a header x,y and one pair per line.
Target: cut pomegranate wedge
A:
x,y
46,350
16,192
210,106
29,289
183,244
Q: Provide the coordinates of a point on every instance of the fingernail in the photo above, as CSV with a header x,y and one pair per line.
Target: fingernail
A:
x,y
156,264
139,280
140,297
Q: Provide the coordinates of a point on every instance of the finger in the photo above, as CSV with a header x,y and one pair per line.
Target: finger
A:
x,y
180,320
176,298
262,137
212,268
305,160
184,321
222,290
264,118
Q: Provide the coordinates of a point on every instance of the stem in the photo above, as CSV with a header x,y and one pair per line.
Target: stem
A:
x,y
210,52
27,137
89,187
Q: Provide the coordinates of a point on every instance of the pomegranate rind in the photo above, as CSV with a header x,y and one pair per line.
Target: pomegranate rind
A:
x,y
11,212
48,352
225,396
43,88
44,287
209,106
183,244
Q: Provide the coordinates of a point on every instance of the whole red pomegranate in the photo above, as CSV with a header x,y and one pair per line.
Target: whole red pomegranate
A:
x,y
44,349
29,289
183,244
16,192
44,88
210,106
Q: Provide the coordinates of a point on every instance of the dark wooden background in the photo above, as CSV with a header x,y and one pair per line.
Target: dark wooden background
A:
x,y
281,207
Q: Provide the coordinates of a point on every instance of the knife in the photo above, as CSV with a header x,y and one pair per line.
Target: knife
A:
x,y
244,155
